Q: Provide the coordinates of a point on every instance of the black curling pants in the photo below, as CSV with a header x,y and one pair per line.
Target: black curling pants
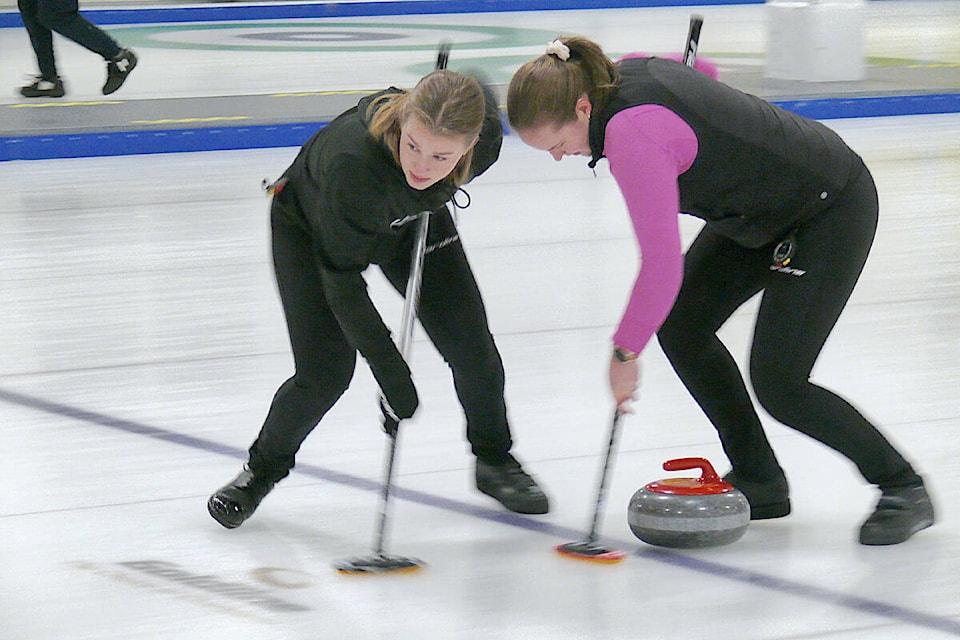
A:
x,y
42,17
796,314
451,312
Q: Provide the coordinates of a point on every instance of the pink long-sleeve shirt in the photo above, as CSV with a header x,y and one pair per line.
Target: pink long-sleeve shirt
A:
x,y
648,147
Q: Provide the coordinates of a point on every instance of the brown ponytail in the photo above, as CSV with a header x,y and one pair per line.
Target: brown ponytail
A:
x,y
545,90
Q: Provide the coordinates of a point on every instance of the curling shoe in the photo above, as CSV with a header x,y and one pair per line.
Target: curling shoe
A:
x,y
511,486
118,69
233,503
900,513
768,498
43,88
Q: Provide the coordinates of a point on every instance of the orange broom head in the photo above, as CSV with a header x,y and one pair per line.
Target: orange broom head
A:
x,y
378,565
591,552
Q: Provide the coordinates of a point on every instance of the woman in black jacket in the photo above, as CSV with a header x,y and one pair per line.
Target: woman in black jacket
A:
x,y
345,203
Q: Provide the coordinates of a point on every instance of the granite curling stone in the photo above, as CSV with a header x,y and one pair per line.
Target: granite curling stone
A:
x,y
689,513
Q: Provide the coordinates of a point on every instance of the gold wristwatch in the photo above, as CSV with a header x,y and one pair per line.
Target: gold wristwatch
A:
x,y
624,355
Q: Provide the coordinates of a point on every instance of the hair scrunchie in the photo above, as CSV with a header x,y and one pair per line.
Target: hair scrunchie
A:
x,y
557,48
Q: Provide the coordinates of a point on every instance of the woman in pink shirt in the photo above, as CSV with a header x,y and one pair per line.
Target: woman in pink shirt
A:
x,y
790,212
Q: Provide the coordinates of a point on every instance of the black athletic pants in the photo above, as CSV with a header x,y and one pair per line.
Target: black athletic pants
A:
x,y
42,17
796,314
451,311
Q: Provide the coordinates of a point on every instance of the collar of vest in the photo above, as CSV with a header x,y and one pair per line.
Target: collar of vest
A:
x,y
598,125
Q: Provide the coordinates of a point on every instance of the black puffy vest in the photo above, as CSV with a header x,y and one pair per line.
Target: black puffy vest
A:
x,y
760,170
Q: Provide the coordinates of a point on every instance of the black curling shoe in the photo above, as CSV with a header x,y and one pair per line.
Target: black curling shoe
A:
x,y
768,499
233,503
900,513
511,486
43,88
118,69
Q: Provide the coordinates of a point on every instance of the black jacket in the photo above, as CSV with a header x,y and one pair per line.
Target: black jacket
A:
x,y
347,191
760,170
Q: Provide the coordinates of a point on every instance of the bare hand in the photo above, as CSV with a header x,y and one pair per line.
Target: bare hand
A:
x,y
624,382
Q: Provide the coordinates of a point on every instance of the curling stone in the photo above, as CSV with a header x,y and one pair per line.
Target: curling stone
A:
x,y
689,513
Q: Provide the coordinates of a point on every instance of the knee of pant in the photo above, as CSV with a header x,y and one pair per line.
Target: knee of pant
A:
x,y
477,349
490,357
675,338
52,19
669,339
779,393
320,391
332,383
484,369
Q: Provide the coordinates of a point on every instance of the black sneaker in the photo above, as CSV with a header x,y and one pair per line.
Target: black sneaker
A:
x,y
768,499
900,513
510,485
42,88
118,69
235,502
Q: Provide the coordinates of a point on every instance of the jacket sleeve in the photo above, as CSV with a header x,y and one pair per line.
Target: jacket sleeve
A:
x,y
364,328
347,239
487,150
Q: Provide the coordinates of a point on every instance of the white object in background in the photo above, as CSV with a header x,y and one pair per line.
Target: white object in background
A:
x,y
815,40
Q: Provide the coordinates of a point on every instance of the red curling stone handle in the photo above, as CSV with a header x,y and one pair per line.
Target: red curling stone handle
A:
x,y
707,475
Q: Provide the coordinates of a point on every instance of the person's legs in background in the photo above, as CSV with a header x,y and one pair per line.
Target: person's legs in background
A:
x,y
42,17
